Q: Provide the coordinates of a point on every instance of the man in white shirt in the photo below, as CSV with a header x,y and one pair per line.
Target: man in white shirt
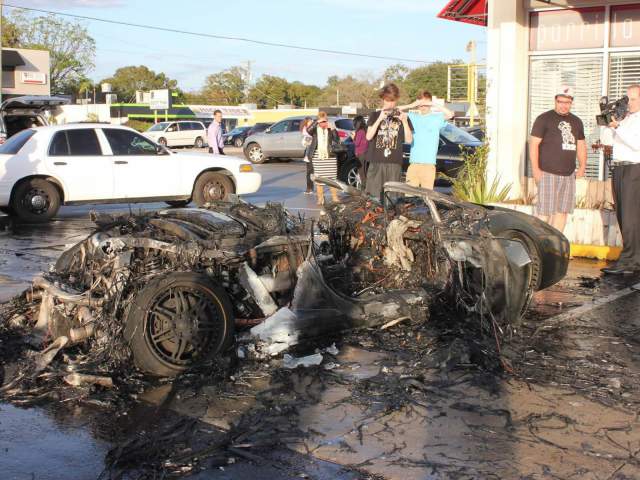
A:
x,y
626,184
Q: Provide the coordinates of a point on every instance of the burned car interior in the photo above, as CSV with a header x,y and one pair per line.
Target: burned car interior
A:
x,y
172,288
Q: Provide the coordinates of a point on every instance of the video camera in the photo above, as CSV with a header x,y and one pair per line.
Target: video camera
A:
x,y
610,111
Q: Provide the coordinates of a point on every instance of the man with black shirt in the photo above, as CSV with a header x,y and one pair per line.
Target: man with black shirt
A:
x,y
387,131
557,138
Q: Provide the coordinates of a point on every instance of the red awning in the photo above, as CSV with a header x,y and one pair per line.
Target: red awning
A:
x,y
468,11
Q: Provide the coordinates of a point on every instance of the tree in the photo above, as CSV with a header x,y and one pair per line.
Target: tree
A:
x,y
126,80
303,95
431,77
350,89
226,87
270,91
10,33
71,48
396,73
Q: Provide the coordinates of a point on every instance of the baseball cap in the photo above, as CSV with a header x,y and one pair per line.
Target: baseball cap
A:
x,y
565,91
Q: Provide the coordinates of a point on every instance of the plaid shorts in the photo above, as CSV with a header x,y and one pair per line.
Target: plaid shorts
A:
x,y
556,194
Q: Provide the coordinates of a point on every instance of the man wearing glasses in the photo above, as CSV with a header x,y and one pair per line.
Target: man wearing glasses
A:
x,y
557,139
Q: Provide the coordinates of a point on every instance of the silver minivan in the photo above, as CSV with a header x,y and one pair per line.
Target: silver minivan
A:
x,y
284,139
185,133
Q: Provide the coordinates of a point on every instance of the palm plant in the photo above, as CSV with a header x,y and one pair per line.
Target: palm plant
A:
x,y
471,183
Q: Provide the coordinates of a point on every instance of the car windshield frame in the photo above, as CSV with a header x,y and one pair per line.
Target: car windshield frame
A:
x,y
159,127
16,142
454,134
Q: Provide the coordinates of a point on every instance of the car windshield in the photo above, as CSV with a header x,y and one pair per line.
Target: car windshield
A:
x,y
457,135
158,127
16,142
344,124
236,131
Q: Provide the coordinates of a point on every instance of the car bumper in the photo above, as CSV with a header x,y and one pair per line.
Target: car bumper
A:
x,y
248,182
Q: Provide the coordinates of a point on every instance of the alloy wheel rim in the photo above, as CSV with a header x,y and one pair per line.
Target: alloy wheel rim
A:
x,y
182,324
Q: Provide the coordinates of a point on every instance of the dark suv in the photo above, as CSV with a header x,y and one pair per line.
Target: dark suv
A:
x,y
448,160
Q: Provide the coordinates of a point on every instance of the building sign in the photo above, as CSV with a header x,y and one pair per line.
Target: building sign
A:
x,y
625,26
567,29
160,99
33,78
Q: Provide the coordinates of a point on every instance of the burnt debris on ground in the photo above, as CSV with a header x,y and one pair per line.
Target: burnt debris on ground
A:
x,y
420,287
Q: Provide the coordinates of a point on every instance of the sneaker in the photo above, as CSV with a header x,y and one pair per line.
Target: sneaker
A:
x,y
309,192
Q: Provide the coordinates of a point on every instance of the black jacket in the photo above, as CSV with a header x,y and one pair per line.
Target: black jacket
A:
x,y
334,146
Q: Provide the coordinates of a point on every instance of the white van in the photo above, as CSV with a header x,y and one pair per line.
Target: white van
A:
x,y
184,133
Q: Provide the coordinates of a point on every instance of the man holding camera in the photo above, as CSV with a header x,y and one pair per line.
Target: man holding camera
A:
x,y
626,184
557,139
387,131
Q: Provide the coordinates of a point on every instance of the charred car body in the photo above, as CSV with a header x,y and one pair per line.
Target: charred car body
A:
x,y
177,286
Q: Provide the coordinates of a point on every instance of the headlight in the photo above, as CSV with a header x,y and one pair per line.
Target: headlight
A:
x,y
246,168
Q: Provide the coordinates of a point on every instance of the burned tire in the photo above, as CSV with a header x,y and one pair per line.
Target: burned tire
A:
x,y
176,321
35,201
536,262
212,187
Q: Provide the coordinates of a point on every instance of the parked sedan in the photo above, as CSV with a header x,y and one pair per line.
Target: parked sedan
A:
x,y
448,160
236,136
284,139
44,168
178,134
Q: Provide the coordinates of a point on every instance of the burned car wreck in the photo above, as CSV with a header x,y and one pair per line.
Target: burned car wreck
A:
x,y
174,287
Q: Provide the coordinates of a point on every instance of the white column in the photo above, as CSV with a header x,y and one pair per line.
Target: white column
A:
x,y
507,87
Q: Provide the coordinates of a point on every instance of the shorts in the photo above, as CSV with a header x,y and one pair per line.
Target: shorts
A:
x,y
556,194
421,175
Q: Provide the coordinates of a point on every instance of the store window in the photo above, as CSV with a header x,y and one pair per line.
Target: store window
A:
x,y
584,74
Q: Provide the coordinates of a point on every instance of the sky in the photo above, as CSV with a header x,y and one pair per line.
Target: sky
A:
x,y
393,28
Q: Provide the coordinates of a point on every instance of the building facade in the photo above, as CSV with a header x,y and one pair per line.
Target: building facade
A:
x,y
534,47
25,72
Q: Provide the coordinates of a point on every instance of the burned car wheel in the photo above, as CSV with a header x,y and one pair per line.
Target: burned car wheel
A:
x,y
35,201
176,321
212,187
534,267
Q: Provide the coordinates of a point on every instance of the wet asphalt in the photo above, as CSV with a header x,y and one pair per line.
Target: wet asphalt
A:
x,y
44,443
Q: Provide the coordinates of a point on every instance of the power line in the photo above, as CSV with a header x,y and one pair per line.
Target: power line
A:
x,y
218,37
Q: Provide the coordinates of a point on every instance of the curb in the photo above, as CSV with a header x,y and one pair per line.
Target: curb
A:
x,y
601,252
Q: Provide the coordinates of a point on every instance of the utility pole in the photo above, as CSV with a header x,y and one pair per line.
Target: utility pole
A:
x,y
247,81
472,83
337,97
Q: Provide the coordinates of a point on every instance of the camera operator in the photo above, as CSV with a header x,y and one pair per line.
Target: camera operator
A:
x,y
626,184
557,139
390,128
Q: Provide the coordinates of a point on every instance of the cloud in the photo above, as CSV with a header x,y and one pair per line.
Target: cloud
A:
x,y
68,4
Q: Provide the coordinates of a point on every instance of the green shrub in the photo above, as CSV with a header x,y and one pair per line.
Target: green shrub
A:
x,y
471,184
139,125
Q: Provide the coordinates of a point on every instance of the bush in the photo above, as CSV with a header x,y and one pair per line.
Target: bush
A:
x,y
471,184
138,125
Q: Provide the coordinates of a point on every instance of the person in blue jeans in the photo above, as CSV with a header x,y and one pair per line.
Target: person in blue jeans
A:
x,y
427,122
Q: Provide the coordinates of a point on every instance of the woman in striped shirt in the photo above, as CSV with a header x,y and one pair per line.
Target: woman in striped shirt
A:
x,y
324,160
